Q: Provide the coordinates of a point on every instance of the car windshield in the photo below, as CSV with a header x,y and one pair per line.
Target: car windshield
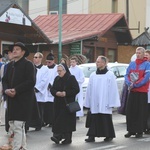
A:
x,y
87,70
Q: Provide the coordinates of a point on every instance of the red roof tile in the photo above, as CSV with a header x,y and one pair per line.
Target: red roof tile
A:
x,y
77,26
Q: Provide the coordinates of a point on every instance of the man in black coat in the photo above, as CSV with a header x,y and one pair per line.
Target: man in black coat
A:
x,y
18,86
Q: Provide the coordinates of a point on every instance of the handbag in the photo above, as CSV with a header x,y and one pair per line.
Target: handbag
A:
x,y
73,106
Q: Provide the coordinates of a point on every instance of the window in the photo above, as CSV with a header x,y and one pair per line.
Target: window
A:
x,y
122,71
119,71
114,6
88,70
54,6
53,12
115,71
111,55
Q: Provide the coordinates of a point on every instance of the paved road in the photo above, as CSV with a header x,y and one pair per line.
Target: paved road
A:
x,y
40,140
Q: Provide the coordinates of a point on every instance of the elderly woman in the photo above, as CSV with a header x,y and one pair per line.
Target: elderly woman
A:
x,y
64,89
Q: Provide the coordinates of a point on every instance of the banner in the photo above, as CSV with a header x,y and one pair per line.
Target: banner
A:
x,y
15,16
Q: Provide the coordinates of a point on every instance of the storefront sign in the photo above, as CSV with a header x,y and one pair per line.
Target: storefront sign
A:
x,y
103,39
15,16
75,48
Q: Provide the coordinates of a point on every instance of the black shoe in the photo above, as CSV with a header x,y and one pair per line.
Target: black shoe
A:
x,y
66,141
77,118
107,139
44,124
129,134
139,135
90,139
54,139
38,129
50,125
147,131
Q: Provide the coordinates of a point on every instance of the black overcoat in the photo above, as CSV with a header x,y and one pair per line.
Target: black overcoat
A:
x,y
20,75
63,121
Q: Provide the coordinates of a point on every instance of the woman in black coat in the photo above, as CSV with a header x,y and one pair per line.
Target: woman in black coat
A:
x,y
64,87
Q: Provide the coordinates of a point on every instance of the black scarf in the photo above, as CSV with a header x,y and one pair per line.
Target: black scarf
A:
x,y
39,66
52,66
103,71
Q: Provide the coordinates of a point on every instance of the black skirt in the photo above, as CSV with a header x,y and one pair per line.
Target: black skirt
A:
x,y
137,110
101,125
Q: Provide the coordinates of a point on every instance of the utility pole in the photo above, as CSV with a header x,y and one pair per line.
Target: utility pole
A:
x,y
60,31
127,11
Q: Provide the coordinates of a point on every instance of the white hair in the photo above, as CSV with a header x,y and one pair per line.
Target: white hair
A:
x,y
142,49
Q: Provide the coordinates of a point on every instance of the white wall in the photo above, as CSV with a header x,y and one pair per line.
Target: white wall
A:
x,y
77,6
38,7
148,14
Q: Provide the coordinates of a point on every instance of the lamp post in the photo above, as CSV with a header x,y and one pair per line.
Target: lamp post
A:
x,y
60,31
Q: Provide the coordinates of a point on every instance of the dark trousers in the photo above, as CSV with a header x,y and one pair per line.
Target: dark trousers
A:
x,y
48,112
41,112
6,121
137,110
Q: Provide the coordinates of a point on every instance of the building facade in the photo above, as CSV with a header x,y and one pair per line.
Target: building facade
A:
x,y
35,8
77,6
137,12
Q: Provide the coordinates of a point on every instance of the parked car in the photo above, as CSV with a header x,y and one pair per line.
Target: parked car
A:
x,y
119,70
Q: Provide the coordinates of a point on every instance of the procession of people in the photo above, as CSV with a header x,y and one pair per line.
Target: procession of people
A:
x,y
38,95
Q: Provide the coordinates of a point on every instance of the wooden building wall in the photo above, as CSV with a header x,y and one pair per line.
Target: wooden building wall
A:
x,y
125,53
45,50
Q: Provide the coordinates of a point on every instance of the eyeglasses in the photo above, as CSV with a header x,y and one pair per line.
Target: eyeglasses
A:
x,y
60,70
36,57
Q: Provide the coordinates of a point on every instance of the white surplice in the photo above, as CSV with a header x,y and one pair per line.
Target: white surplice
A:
x,y
78,73
52,74
102,93
42,78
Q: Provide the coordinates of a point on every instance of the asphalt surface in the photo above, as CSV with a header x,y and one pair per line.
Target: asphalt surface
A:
x,y
40,140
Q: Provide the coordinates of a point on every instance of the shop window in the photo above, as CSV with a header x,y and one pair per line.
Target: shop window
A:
x,y
112,55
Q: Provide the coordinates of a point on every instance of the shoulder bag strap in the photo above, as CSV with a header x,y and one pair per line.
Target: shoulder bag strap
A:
x,y
64,89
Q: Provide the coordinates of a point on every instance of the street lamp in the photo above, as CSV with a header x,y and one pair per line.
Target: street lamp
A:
x,y
60,31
